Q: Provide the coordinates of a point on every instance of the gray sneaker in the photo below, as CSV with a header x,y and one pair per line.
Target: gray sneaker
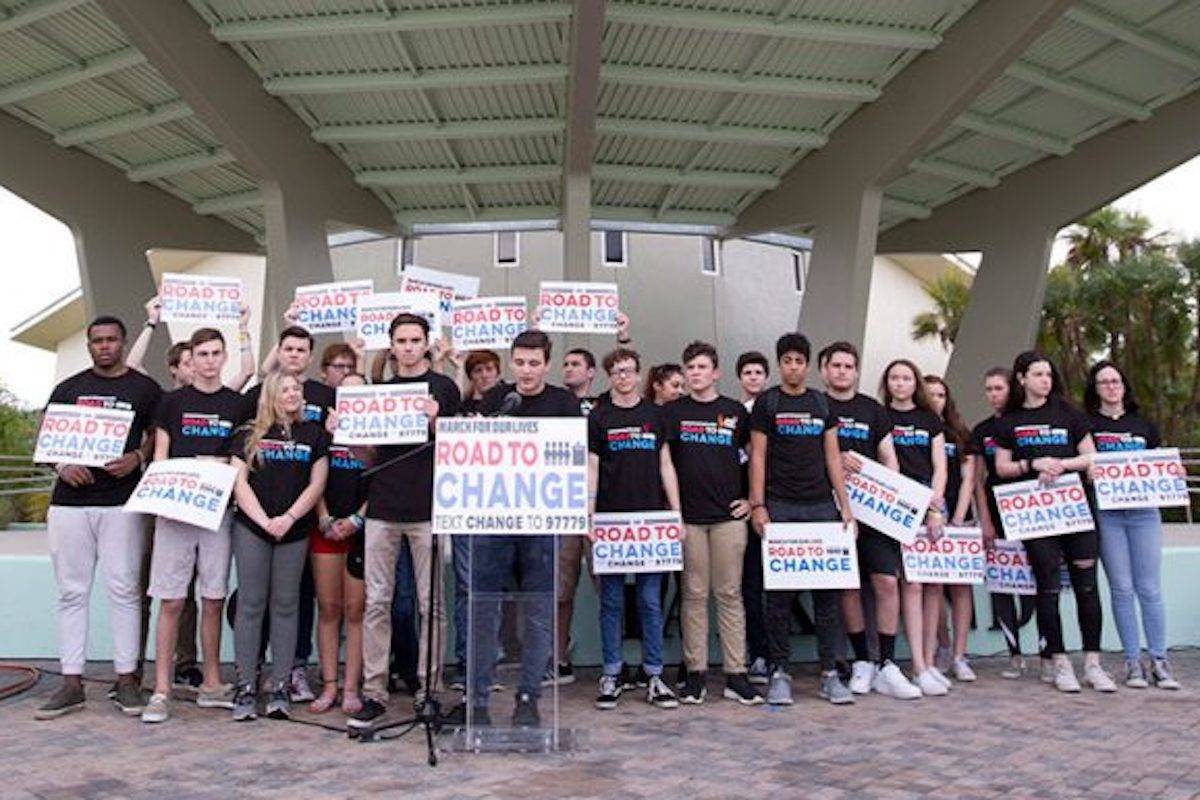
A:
x,y
833,690
1160,670
779,690
278,706
245,703
130,699
158,709
64,700
298,689
758,672
220,697
1135,675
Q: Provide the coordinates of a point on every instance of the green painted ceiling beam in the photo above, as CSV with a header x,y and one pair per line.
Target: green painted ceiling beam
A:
x,y
365,22
227,203
425,131
907,208
124,124
705,80
1078,90
436,216
179,166
69,76
1109,24
335,83
34,11
1016,134
470,175
951,170
666,176
761,25
717,134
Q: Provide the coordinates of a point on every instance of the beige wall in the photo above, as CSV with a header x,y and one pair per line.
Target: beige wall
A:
x,y
896,297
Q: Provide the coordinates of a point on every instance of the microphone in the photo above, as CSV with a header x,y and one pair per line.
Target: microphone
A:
x,y
512,401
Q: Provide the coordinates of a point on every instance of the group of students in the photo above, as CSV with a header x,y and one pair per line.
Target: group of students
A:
x,y
338,520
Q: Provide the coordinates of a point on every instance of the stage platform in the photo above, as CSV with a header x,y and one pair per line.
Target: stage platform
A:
x,y
992,739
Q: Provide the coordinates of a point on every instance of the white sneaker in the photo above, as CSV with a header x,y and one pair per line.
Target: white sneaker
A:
x,y
929,684
157,709
1098,679
890,681
1048,673
962,670
941,677
861,675
1064,677
1015,668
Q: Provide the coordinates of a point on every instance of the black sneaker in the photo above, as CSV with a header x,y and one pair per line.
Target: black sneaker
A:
x,y
844,671
609,693
457,717
188,676
694,690
366,716
456,680
681,677
279,706
64,700
405,684
130,698
739,688
525,713
564,675
641,678
659,695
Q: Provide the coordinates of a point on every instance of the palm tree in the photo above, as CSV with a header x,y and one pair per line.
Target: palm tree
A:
x,y
1109,235
949,293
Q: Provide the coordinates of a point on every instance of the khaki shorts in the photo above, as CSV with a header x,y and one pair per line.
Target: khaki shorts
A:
x,y
181,550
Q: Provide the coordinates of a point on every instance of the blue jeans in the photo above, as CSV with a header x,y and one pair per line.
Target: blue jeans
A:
x,y
1131,549
650,614
493,560
405,645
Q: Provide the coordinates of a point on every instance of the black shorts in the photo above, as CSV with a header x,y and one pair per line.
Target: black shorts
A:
x,y
877,554
356,556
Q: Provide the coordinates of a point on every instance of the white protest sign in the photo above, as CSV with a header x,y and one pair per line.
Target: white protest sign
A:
x,y
487,323
446,286
191,490
637,541
329,307
809,555
374,314
887,501
81,434
205,299
566,307
1140,479
510,475
956,557
386,413
1007,569
1030,510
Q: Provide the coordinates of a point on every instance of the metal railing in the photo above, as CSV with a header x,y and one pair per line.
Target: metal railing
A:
x,y
18,476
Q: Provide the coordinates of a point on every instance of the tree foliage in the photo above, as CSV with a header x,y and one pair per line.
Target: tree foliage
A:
x,y
949,293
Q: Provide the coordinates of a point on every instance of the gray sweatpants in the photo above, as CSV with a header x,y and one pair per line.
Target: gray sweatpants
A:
x,y
266,572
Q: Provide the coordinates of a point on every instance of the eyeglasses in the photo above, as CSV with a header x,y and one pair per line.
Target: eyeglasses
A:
x,y
623,371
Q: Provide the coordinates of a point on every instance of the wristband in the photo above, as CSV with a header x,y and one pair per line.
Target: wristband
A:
x,y
151,325
754,505
358,521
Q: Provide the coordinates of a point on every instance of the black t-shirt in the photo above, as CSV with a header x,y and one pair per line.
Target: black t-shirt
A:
x,y
861,424
954,463
628,442
132,391
403,491
282,472
1130,431
318,399
551,401
913,433
983,443
795,427
346,490
1052,429
199,423
706,440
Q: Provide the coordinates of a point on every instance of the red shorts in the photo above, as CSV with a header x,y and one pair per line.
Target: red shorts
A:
x,y
318,544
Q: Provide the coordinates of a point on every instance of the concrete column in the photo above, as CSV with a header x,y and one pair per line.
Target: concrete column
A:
x,y
297,253
1003,314
839,271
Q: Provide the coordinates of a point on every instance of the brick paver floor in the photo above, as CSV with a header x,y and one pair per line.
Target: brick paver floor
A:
x,y
995,738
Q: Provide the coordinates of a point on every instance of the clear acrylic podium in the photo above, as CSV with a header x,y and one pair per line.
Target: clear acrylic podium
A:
x,y
512,624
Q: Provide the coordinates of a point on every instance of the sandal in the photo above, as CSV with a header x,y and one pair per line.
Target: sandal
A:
x,y
351,703
323,703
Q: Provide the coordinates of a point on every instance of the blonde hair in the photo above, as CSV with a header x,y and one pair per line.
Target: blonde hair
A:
x,y
268,415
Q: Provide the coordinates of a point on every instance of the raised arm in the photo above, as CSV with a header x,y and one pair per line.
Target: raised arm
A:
x,y
246,347
136,359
